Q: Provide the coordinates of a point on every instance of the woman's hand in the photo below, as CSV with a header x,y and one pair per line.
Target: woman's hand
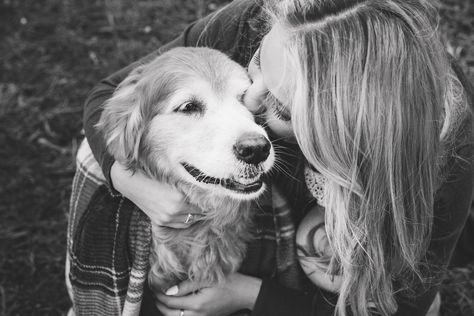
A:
x,y
237,292
161,202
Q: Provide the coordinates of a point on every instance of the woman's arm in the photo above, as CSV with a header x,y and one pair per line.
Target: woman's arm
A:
x,y
452,207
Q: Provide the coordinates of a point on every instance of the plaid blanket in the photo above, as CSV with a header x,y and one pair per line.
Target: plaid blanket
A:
x,y
109,243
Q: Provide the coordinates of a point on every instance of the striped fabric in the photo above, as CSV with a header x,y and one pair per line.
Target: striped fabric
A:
x,y
109,242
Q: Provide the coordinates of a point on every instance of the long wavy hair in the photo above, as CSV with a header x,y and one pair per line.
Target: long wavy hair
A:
x,y
371,88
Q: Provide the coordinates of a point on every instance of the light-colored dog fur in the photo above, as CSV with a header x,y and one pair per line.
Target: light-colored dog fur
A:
x,y
148,127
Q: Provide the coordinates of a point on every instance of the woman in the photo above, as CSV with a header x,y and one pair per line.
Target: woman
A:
x,y
367,92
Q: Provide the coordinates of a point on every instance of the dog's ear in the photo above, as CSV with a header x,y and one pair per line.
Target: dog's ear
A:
x,y
122,123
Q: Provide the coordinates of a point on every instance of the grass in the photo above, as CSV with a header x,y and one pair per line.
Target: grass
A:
x,y
51,53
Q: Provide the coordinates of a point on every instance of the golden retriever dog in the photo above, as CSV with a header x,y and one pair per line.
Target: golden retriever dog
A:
x,y
180,119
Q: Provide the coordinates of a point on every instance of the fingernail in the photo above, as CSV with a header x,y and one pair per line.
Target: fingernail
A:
x,y
172,290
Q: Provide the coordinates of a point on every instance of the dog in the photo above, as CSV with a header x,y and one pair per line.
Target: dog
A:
x,y
180,119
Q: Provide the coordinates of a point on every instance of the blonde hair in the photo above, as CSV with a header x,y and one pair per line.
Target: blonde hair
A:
x,y
369,82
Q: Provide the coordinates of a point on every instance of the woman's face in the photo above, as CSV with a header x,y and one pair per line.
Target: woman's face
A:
x,y
266,94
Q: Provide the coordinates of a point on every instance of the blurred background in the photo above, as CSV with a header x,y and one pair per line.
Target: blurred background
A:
x,y
52,52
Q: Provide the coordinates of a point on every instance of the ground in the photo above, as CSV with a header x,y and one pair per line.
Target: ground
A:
x,y
51,53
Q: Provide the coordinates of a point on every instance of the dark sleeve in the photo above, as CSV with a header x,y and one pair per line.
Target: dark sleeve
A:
x,y
452,205
451,211
277,300
223,30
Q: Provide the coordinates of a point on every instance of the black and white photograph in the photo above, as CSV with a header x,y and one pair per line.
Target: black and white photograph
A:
x,y
236,158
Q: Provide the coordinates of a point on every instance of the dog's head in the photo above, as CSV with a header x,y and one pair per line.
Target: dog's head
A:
x,y
181,118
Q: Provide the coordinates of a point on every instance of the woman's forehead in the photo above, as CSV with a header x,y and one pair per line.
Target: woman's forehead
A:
x,y
273,63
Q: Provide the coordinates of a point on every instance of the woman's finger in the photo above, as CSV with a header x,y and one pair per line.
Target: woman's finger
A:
x,y
189,218
187,207
166,311
184,288
185,213
174,225
182,221
175,312
188,303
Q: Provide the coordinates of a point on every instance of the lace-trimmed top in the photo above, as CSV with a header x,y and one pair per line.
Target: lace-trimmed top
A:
x,y
316,184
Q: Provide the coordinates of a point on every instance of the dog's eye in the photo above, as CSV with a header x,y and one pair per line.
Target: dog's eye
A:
x,y
241,97
190,107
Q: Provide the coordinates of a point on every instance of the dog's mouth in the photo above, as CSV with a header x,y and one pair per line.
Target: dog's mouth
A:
x,y
250,183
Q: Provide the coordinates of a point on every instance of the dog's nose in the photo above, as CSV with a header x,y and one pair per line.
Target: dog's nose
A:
x,y
252,148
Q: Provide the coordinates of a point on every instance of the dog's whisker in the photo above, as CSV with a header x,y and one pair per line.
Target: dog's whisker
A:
x,y
279,147
275,140
281,168
282,162
281,154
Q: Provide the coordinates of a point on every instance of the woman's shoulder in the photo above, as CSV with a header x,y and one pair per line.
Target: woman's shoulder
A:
x,y
466,84
236,29
458,144
456,180
462,100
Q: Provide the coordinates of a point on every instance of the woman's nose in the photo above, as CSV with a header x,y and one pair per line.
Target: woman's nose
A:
x,y
255,94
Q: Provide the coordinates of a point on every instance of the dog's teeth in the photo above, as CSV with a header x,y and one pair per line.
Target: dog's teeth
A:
x,y
247,180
